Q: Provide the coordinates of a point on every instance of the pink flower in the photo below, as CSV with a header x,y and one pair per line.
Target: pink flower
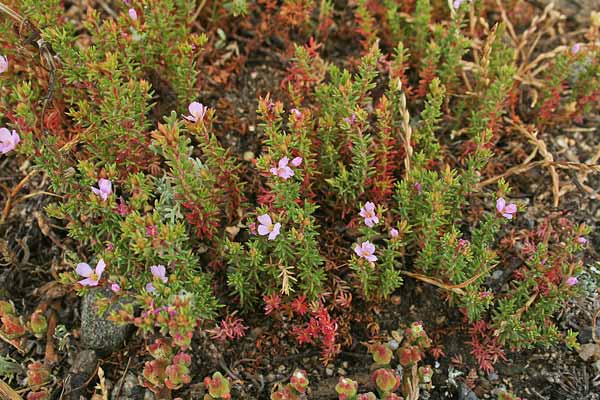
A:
x,y
485,294
151,230
91,276
365,250
8,139
282,170
571,281
133,14
3,64
296,162
418,187
296,113
197,112
115,287
581,240
266,227
159,271
575,49
351,120
507,210
368,213
457,4
394,233
105,189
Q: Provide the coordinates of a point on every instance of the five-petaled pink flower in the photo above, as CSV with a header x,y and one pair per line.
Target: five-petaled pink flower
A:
x,y
368,213
8,140
266,227
132,14
160,272
104,188
581,240
296,161
571,281
366,250
507,210
282,170
197,112
92,276
394,233
3,64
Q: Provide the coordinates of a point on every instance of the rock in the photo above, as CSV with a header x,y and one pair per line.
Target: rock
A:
x,y
80,373
464,393
589,351
97,332
129,390
585,334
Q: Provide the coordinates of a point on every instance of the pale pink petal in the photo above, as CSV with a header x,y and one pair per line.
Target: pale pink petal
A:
x,y
160,272
375,219
369,206
100,267
507,216
371,258
297,161
369,247
105,185
150,288
500,204
5,135
571,281
84,269
369,222
283,162
197,110
394,232
358,250
265,219
3,64
88,282
133,14
511,209
115,287
263,230
286,172
274,171
275,231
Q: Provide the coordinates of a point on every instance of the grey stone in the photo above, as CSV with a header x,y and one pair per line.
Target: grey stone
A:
x,y
129,390
97,332
464,393
80,373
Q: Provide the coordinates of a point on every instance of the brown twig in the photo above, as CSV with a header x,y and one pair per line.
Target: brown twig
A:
x,y
541,146
453,288
10,196
8,393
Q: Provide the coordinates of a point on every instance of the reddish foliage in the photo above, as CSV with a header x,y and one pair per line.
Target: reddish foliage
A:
x,y
487,349
230,328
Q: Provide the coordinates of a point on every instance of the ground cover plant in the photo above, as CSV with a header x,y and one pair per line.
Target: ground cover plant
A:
x,y
220,183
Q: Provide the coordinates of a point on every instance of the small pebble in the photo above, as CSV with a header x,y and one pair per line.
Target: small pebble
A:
x,y
329,371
